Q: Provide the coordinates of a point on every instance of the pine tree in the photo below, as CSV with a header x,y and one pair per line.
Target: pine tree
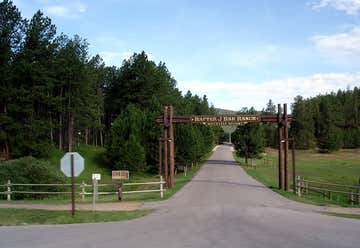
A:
x,y
270,129
330,136
11,33
126,140
302,128
248,140
33,82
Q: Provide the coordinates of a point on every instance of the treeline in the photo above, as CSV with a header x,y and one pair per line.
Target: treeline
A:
x,y
55,95
328,122
50,88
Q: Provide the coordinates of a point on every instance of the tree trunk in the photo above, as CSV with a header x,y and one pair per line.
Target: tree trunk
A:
x,y
51,131
86,136
7,151
61,122
100,133
5,146
60,131
70,131
101,139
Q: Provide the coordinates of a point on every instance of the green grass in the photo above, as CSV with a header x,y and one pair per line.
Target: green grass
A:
x,y
94,164
342,167
351,216
15,217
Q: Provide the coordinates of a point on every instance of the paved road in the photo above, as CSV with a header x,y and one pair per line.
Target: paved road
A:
x,y
221,207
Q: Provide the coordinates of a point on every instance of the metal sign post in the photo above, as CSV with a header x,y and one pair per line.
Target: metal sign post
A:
x,y
72,164
72,186
94,193
95,178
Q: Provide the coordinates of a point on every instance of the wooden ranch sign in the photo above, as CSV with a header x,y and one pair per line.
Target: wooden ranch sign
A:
x,y
224,119
166,142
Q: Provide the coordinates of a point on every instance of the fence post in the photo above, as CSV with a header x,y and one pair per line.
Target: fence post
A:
x,y
352,198
83,190
298,186
161,187
95,189
9,190
359,193
303,186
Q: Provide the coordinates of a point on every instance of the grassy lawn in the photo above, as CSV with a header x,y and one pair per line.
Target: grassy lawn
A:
x,y
93,164
15,217
342,167
93,161
351,216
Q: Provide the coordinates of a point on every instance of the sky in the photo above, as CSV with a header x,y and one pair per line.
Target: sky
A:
x,y
238,53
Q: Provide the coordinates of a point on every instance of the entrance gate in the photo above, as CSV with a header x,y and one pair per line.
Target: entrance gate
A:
x,y
166,142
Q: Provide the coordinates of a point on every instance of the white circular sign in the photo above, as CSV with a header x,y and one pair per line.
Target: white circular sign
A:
x,y
65,164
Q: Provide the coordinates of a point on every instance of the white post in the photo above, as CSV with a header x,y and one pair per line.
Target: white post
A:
x,y
9,190
185,170
83,191
298,185
161,187
94,193
97,190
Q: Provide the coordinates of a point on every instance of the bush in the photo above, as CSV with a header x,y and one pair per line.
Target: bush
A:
x,y
132,156
30,170
125,149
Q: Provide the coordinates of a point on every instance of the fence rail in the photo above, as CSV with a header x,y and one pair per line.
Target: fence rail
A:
x,y
11,189
324,188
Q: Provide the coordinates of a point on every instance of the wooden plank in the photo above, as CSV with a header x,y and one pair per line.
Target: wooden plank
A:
x,y
333,184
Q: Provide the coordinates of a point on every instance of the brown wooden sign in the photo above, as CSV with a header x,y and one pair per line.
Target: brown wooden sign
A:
x,y
120,175
166,142
224,119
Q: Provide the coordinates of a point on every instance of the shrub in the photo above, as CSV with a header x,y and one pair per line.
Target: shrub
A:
x,y
30,170
126,145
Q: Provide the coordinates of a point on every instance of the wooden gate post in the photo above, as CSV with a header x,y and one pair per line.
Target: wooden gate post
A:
x,y
171,144
166,141
286,150
293,163
280,137
160,156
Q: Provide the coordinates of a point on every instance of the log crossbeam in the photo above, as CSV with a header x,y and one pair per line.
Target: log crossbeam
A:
x,y
166,143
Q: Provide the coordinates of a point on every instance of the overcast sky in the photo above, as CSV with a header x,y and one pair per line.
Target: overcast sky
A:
x,y
238,53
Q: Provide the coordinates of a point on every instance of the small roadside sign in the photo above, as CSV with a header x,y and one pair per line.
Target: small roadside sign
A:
x,y
120,175
96,176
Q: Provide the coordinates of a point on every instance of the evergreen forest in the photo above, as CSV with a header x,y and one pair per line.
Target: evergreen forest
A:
x,y
55,95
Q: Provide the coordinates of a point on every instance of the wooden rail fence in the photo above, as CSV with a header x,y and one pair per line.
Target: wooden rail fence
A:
x,y
10,189
303,186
